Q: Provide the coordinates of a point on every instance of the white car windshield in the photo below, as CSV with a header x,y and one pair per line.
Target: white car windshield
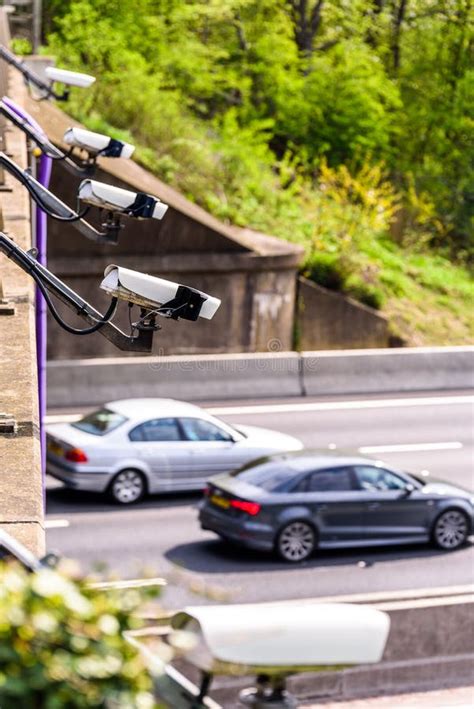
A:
x,y
233,429
100,422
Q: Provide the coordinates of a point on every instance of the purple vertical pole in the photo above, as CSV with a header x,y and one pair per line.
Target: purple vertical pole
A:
x,y
44,176
40,236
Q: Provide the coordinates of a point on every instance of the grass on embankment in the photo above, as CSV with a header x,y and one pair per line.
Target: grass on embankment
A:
x,y
344,223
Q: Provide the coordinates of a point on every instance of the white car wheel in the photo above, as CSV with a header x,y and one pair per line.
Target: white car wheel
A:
x,y
127,487
296,542
450,530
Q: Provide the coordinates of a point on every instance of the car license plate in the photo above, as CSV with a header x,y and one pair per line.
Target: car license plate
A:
x,y
220,501
55,449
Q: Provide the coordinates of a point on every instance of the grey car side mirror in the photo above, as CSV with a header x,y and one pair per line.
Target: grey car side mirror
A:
x,y
409,488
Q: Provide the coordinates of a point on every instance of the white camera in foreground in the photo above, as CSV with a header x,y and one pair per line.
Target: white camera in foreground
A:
x,y
71,78
97,143
175,300
116,199
277,639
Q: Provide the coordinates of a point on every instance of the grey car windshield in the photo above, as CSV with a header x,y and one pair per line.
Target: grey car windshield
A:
x,y
268,476
100,422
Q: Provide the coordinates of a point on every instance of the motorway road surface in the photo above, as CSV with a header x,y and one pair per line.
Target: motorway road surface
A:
x,y
417,432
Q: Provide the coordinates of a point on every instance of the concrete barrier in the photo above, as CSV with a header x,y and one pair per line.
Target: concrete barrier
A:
x,y
388,370
192,378
88,382
430,646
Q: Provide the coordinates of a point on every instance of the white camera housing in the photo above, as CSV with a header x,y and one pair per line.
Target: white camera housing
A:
x,y
151,293
276,639
95,143
71,78
116,199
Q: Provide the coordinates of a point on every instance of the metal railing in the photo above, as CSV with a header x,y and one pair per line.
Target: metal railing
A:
x,y
4,72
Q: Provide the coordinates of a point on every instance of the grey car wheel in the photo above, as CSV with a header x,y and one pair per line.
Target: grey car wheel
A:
x,y
127,487
450,530
296,541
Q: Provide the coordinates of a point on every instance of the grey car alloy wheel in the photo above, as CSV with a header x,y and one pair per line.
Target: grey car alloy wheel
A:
x,y
296,541
450,530
127,487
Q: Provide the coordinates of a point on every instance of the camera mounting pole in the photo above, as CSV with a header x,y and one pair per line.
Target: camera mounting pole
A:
x,y
31,77
56,209
27,262
86,168
41,141
270,693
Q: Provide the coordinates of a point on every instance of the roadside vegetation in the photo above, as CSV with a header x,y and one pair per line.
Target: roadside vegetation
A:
x,y
344,125
62,644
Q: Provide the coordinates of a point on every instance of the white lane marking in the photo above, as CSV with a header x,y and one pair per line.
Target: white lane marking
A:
x,y
310,406
343,405
127,583
425,603
386,596
410,447
56,523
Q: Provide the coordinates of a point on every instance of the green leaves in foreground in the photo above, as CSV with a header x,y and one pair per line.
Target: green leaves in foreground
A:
x,y
62,645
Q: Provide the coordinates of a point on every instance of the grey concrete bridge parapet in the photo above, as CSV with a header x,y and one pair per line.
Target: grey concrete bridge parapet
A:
x,y
388,370
89,382
21,499
430,645
193,378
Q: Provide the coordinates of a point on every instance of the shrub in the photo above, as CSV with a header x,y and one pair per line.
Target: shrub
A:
x,y
62,644
366,293
326,270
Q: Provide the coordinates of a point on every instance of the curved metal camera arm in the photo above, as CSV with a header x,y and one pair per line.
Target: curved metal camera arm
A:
x,y
48,283
31,77
43,143
85,167
56,209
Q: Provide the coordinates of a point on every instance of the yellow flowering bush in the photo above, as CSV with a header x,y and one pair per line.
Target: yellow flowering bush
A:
x,y
62,644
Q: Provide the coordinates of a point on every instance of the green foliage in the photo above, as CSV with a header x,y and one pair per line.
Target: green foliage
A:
x,y
344,108
366,293
334,130
326,269
21,46
62,645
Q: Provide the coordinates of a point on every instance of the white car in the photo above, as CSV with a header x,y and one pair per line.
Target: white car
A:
x,y
136,446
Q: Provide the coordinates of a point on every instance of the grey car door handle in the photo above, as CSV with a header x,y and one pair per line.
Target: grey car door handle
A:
x,y
374,505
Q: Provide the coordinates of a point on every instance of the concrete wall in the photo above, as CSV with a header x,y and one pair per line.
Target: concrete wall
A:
x,y
254,274
329,320
278,374
21,498
430,645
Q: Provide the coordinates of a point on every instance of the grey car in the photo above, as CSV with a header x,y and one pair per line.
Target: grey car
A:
x,y
294,503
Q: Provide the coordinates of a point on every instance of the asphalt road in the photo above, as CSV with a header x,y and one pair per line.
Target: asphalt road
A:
x,y
160,535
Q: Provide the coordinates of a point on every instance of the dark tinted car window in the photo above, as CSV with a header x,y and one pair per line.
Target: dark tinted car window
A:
x,y
202,430
100,422
371,477
328,480
268,476
156,430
